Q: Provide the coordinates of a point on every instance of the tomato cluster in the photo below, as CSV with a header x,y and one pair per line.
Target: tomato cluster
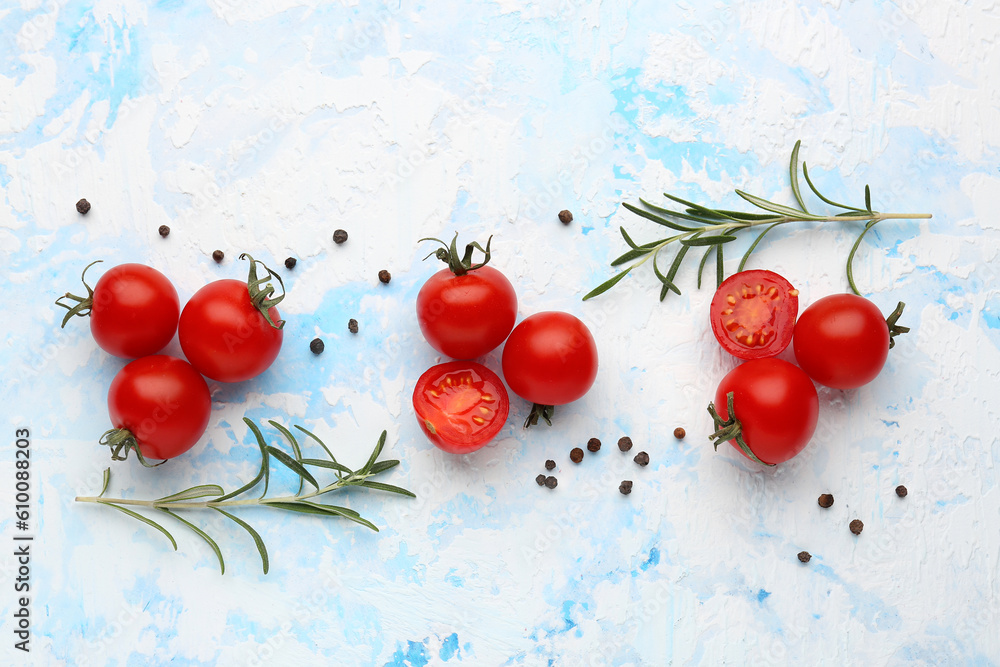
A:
x,y
465,312
230,331
768,408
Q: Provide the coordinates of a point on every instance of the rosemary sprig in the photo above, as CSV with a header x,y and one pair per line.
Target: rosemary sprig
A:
x,y
303,502
713,228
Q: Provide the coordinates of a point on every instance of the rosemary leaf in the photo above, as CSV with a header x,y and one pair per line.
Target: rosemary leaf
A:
x,y
805,172
378,450
264,472
720,274
382,466
868,199
330,465
149,522
295,447
753,245
629,256
202,534
387,487
708,240
701,265
201,491
293,465
793,175
107,478
663,221
606,285
261,549
781,209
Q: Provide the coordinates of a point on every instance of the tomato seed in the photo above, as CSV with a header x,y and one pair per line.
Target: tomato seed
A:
x,y
550,465
290,263
565,217
593,445
901,491
164,231
679,433
352,325
551,482
540,480
339,236
218,256
642,458
625,443
857,526
82,207
576,455
805,556
625,487
317,346
825,500
384,276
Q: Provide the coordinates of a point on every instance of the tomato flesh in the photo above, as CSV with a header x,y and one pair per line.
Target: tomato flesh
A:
x,y
460,405
753,314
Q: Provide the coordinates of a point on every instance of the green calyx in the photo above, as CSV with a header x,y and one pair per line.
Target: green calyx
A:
x,y
895,329
449,255
121,441
730,429
84,304
538,410
262,298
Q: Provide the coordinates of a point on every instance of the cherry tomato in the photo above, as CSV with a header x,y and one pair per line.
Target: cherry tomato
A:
x,y
550,359
159,405
842,341
466,310
466,316
225,335
133,310
753,314
775,408
460,405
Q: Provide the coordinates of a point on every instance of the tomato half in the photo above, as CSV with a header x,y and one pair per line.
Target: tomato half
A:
x,y
550,359
842,341
466,316
133,310
160,402
460,405
225,335
775,406
753,314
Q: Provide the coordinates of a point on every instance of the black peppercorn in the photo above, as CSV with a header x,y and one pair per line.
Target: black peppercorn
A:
x,y
825,500
339,236
352,325
550,465
625,443
551,482
625,487
857,526
593,445
679,433
805,556
576,455
565,217
384,276
540,480
82,207
642,458
164,231
218,256
290,263
317,346
901,491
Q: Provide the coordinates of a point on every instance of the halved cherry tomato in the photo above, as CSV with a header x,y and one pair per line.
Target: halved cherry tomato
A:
x,y
753,314
460,405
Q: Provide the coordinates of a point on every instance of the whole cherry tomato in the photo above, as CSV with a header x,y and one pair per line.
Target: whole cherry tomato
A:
x,y
466,310
133,310
159,407
753,314
550,359
842,340
460,405
230,330
767,409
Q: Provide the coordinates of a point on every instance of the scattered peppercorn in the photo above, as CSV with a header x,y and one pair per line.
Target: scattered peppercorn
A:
x,y
593,445
642,458
82,207
352,325
550,465
679,433
384,276
317,346
551,482
218,255
625,443
164,231
805,556
565,217
540,480
901,491
576,455
625,487
857,526
290,263
825,500
339,236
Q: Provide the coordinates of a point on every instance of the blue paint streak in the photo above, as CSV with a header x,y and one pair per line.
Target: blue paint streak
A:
x,y
449,647
415,655
654,559
762,595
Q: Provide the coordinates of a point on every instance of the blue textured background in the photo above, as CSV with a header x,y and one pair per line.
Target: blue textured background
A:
x,y
264,126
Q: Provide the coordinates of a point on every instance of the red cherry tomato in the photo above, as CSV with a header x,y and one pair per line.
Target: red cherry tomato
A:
x,y
225,336
842,341
550,359
162,402
775,407
133,310
460,405
753,314
466,316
